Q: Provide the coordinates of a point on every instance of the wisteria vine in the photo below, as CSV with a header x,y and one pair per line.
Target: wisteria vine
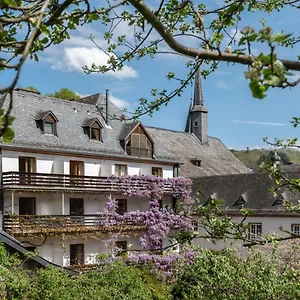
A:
x,y
158,223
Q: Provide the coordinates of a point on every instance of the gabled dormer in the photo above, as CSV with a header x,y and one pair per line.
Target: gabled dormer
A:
x,y
240,201
279,200
136,140
47,122
93,129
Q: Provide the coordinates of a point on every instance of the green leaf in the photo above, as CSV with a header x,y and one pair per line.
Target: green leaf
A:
x,y
11,3
8,135
44,29
258,90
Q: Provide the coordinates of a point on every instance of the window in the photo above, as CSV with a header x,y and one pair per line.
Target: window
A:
x,y
196,124
49,128
121,206
120,170
47,121
255,231
95,132
76,170
76,206
27,206
49,125
157,172
296,229
195,225
76,254
121,247
27,164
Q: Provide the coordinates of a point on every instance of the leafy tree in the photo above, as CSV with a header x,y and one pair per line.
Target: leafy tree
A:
x,y
272,157
226,276
64,93
28,28
33,89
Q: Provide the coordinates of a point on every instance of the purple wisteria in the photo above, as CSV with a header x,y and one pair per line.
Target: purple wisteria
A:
x,y
158,224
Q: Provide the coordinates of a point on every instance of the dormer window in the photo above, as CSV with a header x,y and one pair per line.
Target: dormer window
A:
x,y
93,127
196,162
137,141
46,121
49,128
95,132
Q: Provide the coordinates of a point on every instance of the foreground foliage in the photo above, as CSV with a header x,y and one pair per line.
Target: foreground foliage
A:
x,y
211,276
225,276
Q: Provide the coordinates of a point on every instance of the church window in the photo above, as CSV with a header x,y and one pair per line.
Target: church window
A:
x,y
196,124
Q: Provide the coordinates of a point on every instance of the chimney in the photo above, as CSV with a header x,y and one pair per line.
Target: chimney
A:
x,y
106,103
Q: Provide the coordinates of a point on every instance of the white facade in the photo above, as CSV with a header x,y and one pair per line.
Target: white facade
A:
x,y
59,164
270,225
51,202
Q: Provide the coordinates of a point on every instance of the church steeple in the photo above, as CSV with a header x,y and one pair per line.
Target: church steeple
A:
x,y
198,95
197,117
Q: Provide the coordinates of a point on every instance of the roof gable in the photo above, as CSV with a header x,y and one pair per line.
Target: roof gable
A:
x,y
41,116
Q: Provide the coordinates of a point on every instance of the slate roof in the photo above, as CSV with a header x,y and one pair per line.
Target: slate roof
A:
x,y
72,115
215,158
170,146
251,191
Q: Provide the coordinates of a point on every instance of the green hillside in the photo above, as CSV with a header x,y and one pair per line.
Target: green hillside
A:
x,y
251,157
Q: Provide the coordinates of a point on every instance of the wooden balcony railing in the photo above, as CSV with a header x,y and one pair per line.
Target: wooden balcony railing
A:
x,y
51,225
21,180
139,152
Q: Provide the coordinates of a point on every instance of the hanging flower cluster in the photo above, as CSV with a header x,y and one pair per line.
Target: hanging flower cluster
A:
x,y
158,223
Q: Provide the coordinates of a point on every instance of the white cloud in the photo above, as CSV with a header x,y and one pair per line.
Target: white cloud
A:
x,y
119,102
222,85
258,123
74,58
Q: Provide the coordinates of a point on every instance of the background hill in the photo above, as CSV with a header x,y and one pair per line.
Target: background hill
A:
x,y
251,157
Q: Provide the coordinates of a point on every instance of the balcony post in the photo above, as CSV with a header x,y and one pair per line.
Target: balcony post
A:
x,y
62,203
12,202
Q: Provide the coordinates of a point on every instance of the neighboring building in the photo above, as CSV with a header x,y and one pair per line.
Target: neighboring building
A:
x,y
252,192
56,174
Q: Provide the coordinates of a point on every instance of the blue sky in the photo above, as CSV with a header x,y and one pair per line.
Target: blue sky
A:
x,y
235,117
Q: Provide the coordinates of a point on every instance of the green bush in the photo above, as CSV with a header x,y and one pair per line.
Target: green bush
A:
x,y
117,282
225,276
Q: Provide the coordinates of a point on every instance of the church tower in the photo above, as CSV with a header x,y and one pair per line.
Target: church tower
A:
x,y
197,118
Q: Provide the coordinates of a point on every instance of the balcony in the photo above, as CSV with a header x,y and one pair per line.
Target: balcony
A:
x,y
31,225
139,152
41,181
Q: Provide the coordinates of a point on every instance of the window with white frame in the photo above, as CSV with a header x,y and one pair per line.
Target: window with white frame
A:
x,y
120,170
255,231
195,225
296,229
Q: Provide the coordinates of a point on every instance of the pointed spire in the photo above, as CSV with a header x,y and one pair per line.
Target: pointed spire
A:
x,y
198,95
197,117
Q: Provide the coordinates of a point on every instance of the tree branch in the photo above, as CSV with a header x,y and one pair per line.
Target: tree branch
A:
x,y
194,52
